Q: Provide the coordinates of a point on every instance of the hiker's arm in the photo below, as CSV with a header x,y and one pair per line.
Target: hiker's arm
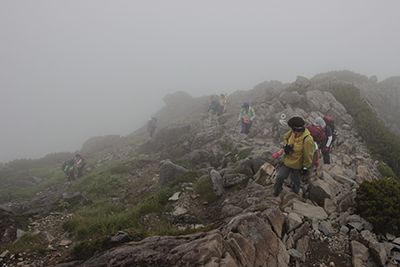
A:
x,y
329,141
286,138
308,153
317,152
252,111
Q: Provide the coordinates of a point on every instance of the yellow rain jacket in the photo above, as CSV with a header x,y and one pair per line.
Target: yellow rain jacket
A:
x,y
303,150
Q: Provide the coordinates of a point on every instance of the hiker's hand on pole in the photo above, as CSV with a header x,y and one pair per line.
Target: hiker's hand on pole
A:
x,y
326,149
276,155
316,164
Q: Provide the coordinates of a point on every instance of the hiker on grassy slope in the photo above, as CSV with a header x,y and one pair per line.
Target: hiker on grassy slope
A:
x,y
247,116
299,147
70,170
80,163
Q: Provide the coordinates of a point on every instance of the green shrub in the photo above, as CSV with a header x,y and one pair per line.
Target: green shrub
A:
x,y
379,203
386,171
64,205
121,168
87,249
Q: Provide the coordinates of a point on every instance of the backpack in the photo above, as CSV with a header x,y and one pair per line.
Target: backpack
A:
x,y
63,165
317,132
331,123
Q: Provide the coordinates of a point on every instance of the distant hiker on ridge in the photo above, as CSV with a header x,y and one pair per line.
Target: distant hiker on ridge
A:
x,y
247,116
213,108
70,171
223,104
80,163
151,128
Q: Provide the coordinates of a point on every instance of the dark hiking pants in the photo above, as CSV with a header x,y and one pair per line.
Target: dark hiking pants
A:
x,y
283,173
245,127
325,155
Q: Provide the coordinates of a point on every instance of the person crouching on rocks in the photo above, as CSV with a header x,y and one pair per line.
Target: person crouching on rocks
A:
x,y
299,147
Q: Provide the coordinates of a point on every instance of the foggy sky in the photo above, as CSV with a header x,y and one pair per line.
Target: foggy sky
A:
x,y
70,70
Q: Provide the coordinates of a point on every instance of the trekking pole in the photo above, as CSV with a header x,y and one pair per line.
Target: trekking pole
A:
x,y
276,169
234,131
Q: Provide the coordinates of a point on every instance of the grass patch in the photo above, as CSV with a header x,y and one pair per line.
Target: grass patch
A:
x,y
32,241
100,218
23,220
14,192
105,217
204,188
177,152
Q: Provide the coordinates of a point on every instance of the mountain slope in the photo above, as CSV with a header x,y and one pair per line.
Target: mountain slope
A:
x,y
240,223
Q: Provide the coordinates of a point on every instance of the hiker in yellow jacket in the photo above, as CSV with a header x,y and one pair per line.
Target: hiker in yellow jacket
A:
x,y
299,147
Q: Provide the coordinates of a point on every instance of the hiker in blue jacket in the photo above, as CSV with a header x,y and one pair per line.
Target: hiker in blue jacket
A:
x,y
151,128
213,109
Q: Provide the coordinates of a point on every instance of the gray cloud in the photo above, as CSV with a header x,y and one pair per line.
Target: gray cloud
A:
x,y
70,70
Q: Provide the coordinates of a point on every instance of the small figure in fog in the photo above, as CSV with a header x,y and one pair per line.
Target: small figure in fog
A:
x,y
80,164
247,116
151,128
69,170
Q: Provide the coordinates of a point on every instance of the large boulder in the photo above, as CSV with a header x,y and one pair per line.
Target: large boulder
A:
x,y
169,172
177,98
268,248
170,136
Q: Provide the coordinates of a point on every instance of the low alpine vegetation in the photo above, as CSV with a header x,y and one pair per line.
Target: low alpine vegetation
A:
x,y
379,203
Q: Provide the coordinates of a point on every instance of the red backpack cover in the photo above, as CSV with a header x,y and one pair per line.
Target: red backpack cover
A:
x,y
317,132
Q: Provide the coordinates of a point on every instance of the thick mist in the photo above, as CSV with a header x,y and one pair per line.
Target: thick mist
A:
x,y
70,70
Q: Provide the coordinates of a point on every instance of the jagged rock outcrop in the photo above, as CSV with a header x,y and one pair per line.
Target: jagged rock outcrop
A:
x,y
169,172
5,173
99,143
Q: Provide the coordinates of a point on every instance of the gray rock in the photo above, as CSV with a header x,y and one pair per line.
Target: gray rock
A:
x,y
234,179
169,172
319,191
360,254
326,228
293,221
378,252
217,182
309,211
